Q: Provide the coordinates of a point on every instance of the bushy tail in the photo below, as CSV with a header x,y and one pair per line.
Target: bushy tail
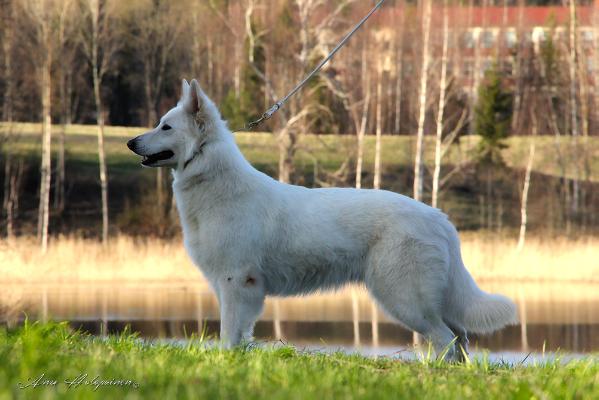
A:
x,y
488,313
476,310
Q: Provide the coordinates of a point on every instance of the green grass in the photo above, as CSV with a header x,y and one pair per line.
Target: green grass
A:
x,y
328,151
196,371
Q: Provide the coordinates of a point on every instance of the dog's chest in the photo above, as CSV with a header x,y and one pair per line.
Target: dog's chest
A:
x,y
214,238
206,240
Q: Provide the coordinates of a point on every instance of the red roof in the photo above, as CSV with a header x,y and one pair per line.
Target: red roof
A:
x,y
495,16
530,16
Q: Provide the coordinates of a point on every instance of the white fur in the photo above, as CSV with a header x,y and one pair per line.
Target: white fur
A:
x,y
253,236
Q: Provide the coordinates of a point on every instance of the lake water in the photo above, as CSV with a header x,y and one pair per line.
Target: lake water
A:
x,y
555,316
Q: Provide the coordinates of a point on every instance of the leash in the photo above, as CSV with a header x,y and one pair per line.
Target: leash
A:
x,y
270,112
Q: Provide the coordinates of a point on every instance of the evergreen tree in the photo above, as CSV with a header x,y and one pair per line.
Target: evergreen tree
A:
x,y
492,117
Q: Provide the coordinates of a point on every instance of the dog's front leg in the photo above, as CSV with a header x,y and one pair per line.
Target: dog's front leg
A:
x,y
241,297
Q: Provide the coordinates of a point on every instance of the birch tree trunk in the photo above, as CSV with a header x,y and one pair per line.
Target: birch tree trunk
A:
x,y
419,161
573,106
101,157
379,127
59,186
517,68
287,141
287,137
97,73
362,129
13,175
399,73
7,112
442,90
59,189
526,187
46,167
7,47
478,70
151,115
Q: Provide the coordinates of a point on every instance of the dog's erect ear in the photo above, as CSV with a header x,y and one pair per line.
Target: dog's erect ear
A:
x,y
184,88
199,106
194,100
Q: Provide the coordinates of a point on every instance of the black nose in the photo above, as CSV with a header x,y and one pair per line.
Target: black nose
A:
x,y
131,144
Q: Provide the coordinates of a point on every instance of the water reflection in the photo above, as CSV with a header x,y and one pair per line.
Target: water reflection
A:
x,y
554,315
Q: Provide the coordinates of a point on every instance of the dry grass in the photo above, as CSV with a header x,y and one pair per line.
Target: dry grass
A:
x,y
541,259
74,259
71,259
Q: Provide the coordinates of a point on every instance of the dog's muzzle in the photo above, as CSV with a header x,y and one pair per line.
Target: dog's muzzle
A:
x,y
149,159
131,145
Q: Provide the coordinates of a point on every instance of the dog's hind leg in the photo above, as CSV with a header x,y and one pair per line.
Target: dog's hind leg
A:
x,y
461,344
409,280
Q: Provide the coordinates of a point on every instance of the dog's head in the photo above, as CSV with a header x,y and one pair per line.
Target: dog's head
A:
x,y
181,133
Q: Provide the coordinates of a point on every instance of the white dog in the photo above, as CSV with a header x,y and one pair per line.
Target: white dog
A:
x,y
253,236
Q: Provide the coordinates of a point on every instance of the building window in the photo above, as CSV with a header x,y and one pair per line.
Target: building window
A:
x,y
450,70
451,40
468,40
587,37
510,38
538,34
467,67
507,66
487,39
560,34
486,65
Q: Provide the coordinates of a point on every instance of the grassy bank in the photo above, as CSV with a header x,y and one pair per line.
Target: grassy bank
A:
x,y
327,151
192,370
467,198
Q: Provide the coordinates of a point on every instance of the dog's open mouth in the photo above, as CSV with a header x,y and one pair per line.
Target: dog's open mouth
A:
x,y
153,158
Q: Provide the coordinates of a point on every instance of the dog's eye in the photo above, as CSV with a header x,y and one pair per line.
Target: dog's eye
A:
x,y
166,127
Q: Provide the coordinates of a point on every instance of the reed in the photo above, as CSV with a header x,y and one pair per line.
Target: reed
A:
x,y
74,259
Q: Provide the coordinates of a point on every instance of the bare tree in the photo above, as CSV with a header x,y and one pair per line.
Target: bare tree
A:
x,y
100,45
315,42
419,160
526,186
441,110
399,38
360,124
7,50
157,30
66,51
518,67
286,139
41,14
573,104
46,88
288,136
13,174
379,125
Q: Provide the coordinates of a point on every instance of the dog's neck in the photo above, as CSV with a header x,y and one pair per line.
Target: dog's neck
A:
x,y
221,164
195,154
